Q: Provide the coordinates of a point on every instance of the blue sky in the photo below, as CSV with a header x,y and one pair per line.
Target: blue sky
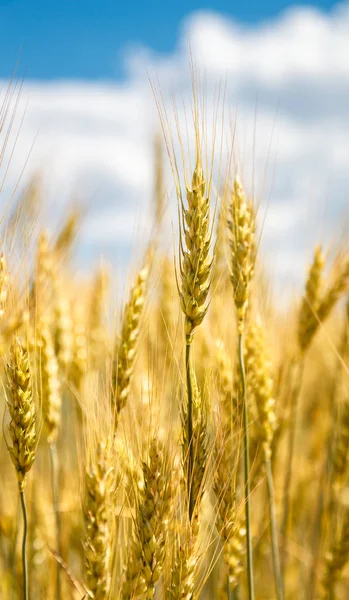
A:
x,y
85,39
90,109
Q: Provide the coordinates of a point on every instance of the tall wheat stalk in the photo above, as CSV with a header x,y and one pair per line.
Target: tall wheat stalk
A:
x,y
241,226
195,271
22,430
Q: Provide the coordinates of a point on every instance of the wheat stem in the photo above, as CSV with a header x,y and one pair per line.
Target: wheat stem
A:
x,y
273,532
24,545
14,549
190,431
246,472
55,495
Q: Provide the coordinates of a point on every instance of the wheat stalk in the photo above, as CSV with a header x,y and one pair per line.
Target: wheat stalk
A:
x,y
22,429
259,377
241,226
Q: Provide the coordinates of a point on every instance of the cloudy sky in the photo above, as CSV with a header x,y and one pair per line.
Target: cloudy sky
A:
x,y
92,113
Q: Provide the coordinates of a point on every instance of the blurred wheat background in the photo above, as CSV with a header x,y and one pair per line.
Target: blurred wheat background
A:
x,y
174,317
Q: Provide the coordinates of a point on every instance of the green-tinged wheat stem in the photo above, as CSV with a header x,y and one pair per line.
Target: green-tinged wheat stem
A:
x,y
236,593
246,470
14,547
230,525
24,545
56,508
229,593
261,386
190,457
195,452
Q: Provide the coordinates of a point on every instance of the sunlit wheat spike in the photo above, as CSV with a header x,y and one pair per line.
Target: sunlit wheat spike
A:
x,y
184,569
49,382
308,321
20,404
335,291
241,226
98,523
147,553
42,288
96,314
68,233
126,345
79,362
63,327
195,258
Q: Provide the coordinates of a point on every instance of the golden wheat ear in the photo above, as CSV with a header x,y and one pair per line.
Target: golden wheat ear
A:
x,y
126,345
20,403
147,552
195,260
98,523
49,382
307,321
241,227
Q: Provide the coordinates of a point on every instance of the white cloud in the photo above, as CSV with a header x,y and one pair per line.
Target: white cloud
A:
x,y
288,83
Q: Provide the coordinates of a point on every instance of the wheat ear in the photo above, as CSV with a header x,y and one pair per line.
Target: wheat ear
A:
x,y
183,571
307,323
147,554
98,538
126,346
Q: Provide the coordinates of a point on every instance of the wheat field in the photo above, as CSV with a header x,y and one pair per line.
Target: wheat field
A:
x,y
188,438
